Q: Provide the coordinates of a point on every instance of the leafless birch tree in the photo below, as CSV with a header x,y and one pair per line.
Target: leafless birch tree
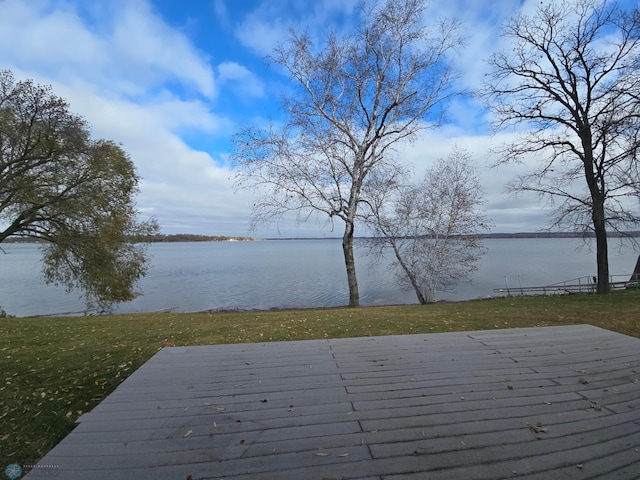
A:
x,y
355,97
432,227
570,74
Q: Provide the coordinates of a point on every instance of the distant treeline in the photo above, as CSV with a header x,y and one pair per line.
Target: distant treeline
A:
x,y
159,238
524,235
558,235
189,237
633,234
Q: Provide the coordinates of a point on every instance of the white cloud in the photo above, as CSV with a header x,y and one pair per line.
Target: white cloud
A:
x,y
117,74
507,212
260,33
129,49
151,47
268,25
482,22
31,33
221,12
240,79
177,180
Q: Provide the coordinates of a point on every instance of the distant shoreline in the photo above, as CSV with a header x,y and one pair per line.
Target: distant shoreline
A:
x,y
161,238
634,234
187,237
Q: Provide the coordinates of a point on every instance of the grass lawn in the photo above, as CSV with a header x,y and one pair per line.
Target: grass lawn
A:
x,y
55,369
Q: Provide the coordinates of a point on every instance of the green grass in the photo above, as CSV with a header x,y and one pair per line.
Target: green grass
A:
x,y
54,369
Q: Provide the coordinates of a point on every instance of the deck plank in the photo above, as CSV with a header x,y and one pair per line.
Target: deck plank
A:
x,y
549,402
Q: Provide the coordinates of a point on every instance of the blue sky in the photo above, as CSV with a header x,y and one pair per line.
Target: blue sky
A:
x,y
171,80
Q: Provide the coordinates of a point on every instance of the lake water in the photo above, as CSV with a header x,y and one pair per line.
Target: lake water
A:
x,y
186,277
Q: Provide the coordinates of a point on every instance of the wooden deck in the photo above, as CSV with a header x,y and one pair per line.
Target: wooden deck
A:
x,y
540,403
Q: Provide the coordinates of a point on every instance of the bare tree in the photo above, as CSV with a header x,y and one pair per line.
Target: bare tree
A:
x,y
571,76
354,99
432,227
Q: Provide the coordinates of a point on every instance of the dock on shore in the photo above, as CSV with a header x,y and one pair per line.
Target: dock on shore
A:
x,y
576,285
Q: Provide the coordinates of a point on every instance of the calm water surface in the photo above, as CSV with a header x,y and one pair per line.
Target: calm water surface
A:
x,y
186,277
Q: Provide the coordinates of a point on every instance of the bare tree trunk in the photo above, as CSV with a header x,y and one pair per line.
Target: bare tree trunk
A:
x,y
349,260
603,263
602,251
410,274
597,190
